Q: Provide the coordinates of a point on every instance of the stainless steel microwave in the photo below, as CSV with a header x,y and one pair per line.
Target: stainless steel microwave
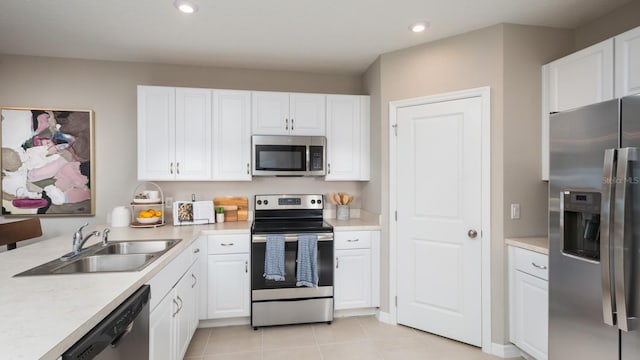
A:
x,y
276,155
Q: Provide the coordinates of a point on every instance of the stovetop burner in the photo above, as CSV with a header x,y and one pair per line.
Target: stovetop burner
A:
x,y
290,227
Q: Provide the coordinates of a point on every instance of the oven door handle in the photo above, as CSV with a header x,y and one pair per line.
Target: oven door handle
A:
x,y
259,238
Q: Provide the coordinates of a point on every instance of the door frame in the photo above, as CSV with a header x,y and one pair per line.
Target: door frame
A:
x,y
484,93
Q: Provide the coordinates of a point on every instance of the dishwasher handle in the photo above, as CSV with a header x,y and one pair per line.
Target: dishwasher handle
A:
x,y
112,328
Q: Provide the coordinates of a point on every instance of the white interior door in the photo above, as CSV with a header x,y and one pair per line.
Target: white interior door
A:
x,y
439,209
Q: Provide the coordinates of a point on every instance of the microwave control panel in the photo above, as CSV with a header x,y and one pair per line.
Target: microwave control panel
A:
x,y
316,158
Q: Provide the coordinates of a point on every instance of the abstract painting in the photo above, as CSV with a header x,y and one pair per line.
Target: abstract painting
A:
x,y
47,162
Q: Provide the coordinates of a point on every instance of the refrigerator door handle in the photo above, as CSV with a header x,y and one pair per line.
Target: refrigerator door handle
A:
x,y
606,215
621,237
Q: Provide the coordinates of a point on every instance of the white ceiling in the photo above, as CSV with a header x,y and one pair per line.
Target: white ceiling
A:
x,y
330,36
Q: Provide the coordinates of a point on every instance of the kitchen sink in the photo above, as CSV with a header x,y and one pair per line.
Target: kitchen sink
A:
x,y
106,263
117,256
138,247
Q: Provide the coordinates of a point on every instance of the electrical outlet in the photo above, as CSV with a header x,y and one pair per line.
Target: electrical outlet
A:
x,y
168,202
515,211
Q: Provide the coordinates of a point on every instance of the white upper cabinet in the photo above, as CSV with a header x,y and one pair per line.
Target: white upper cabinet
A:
x,y
174,133
582,78
347,137
231,135
627,57
278,113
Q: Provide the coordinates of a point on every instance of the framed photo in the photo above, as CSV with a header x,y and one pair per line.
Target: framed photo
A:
x,y
47,162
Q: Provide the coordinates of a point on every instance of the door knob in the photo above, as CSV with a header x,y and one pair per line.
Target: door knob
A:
x,y
472,234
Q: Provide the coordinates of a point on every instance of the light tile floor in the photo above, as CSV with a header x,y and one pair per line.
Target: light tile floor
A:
x,y
351,338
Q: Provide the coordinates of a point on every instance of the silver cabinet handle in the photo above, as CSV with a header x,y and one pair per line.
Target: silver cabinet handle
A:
x,y
196,250
226,244
337,262
195,281
286,124
171,168
178,168
248,168
328,168
177,308
606,214
472,234
246,266
541,267
291,124
353,240
181,303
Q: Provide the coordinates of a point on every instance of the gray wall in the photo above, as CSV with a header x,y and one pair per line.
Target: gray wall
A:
x,y
507,58
618,21
109,89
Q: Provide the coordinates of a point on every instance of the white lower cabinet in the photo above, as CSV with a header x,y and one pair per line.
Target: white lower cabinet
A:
x,y
229,279
174,312
356,270
529,301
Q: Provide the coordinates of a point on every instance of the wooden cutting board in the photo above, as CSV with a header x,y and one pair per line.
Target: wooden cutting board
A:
x,y
242,202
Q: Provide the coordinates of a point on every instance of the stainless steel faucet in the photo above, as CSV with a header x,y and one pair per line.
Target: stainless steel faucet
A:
x,y
105,236
79,239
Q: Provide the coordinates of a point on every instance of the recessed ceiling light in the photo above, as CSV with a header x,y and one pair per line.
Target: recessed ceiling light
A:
x,y
185,6
419,26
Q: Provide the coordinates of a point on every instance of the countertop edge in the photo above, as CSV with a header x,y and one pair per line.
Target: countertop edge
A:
x,y
538,244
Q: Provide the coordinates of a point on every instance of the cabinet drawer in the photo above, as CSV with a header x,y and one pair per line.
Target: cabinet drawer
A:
x,y
228,244
532,263
352,240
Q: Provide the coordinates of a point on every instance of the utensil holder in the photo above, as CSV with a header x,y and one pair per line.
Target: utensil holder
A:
x,y
342,212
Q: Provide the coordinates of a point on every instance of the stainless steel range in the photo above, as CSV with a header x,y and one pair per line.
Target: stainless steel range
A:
x,y
294,219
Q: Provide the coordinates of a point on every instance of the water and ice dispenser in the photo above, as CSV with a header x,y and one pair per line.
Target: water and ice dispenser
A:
x,y
580,224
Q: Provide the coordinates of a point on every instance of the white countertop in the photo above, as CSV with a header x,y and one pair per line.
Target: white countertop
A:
x,y
42,316
353,224
538,244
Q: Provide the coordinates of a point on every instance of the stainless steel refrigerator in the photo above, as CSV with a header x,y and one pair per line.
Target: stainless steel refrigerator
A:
x,y
594,232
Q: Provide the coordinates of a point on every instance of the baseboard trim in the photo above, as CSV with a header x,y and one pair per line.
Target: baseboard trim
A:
x,y
505,351
355,312
386,317
224,322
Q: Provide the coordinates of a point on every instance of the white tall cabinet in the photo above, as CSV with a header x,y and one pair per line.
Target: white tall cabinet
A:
x,y
174,133
356,269
627,57
347,138
280,113
231,135
229,276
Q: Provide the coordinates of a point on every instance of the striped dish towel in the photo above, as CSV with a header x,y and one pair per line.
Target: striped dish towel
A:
x,y
274,258
307,272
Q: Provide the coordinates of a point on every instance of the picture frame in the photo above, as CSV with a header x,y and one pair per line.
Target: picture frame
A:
x,y
48,162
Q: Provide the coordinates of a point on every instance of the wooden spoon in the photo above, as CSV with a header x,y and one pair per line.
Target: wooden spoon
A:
x,y
332,198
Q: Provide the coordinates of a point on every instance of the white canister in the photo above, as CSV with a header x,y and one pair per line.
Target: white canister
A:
x,y
120,216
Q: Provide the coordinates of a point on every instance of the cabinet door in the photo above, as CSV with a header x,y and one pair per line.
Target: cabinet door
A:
x,y
156,124
194,298
161,330
193,134
532,314
228,286
270,113
343,137
582,78
231,135
185,297
307,114
352,279
627,57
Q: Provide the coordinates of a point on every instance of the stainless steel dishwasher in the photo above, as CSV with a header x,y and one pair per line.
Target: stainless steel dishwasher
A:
x,y
123,334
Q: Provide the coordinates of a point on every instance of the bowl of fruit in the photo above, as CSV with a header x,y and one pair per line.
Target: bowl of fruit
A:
x,y
149,216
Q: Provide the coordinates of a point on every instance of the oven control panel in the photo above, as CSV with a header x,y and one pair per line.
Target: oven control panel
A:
x,y
288,202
